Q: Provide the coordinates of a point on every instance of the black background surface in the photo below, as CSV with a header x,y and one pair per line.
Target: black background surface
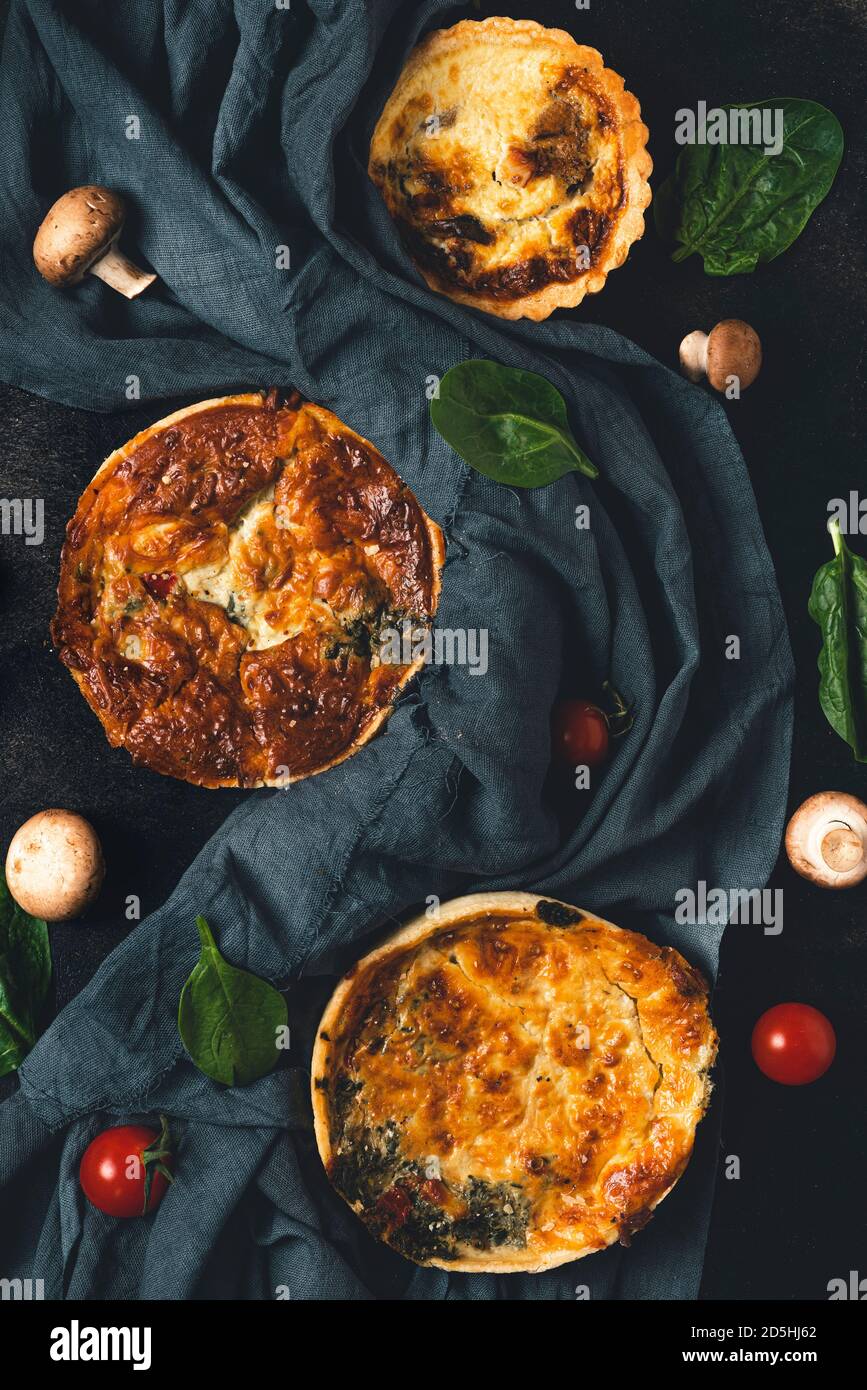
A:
x,y
795,1217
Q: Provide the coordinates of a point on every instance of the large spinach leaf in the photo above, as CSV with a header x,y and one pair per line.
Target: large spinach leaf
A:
x,y
509,424
228,1019
25,976
838,603
737,206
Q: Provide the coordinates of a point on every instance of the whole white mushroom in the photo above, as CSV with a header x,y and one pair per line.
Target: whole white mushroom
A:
x,y
826,840
54,867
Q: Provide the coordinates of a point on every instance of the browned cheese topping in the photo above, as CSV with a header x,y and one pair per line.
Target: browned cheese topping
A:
x,y
223,586
526,1083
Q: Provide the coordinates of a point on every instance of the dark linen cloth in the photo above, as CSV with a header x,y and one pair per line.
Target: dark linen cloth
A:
x,y
253,124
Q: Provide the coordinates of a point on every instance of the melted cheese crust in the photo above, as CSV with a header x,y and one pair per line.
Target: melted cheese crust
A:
x,y
514,165
515,1090
224,583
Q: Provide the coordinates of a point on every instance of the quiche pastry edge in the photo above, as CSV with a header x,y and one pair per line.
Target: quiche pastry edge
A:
x,y
635,164
637,1188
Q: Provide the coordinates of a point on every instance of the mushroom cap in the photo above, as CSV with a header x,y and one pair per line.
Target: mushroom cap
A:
x,y
733,349
76,231
54,867
826,840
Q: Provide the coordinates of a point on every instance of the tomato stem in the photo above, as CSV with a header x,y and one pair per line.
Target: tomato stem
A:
x,y
154,1159
621,718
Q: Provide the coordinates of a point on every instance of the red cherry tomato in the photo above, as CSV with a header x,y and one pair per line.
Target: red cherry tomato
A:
x,y
579,734
114,1165
793,1044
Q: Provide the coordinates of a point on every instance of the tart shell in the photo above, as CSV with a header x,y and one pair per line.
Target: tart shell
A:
x,y
220,584
474,160
452,1039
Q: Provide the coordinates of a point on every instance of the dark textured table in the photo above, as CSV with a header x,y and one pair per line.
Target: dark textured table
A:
x,y
793,1219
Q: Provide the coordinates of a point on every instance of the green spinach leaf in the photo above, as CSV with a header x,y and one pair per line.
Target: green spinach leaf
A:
x,y
25,976
838,603
228,1019
508,424
737,206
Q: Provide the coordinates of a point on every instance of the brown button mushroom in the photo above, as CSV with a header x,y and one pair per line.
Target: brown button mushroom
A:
x,y
732,349
79,235
826,840
55,868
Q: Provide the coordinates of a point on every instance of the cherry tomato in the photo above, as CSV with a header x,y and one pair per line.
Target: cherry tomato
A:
x,y
579,734
793,1044
117,1165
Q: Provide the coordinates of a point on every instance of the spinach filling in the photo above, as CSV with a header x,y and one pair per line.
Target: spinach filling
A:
x,y
419,1216
497,1214
557,914
364,636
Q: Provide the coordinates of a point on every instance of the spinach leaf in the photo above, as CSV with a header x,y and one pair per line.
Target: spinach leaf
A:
x,y
737,206
228,1019
838,603
508,424
25,975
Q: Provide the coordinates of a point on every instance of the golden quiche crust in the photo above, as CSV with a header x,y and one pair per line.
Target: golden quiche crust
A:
x,y
511,1085
225,584
514,164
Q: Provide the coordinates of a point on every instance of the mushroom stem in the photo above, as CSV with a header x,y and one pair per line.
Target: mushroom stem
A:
x,y
842,849
693,354
121,273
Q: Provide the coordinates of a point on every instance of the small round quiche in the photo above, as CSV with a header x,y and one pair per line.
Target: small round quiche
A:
x,y
227,583
514,165
512,1084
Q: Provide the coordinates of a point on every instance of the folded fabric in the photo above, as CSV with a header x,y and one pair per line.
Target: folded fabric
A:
x,y
252,123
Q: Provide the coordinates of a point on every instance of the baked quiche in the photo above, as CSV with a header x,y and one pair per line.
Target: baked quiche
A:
x,y
511,1085
224,584
514,165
